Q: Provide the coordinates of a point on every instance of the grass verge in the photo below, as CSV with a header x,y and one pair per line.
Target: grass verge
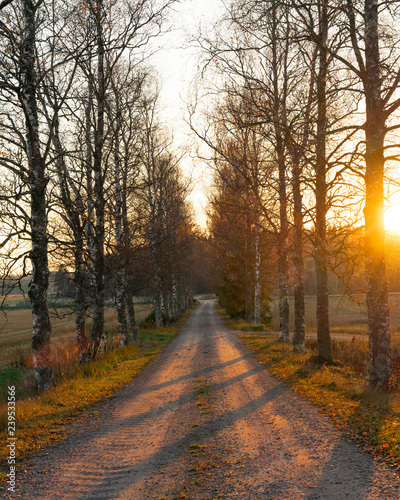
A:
x,y
371,418
48,418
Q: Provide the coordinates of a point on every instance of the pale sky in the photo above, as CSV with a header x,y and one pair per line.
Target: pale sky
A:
x,y
176,62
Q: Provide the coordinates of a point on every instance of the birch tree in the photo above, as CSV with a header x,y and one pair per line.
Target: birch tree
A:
x,y
24,65
369,28
123,113
376,66
116,28
323,333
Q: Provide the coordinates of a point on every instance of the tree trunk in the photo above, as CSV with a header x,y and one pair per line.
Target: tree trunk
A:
x,y
158,315
128,280
164,303
279,111
171,298
40,274
257,276
249,298
377,293
121,308
89,221
119,236
157,299
170,306
133,331
39,283
283,273
299,306
175,299
80,303
98,240
323,333
248,276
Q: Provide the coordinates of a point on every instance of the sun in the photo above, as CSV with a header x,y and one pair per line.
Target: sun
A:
x,y
392,218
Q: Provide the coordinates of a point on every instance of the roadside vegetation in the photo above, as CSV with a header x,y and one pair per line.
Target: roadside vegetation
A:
x,y
49,417
346,315
368,416
16,331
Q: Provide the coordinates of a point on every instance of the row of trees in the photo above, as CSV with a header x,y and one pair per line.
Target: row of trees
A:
x,y
306,117
88,172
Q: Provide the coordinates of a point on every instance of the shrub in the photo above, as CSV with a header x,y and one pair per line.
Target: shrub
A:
x,y
149,321
10,375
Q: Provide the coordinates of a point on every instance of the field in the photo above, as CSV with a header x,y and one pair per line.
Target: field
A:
x,y
16,330
346,316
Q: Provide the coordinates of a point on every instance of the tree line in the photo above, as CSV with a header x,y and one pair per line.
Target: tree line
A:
x,y
90,178
300,113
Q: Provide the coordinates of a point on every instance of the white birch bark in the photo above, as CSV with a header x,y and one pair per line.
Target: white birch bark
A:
x,y
119,236
128,280
321,254
39,284
375,130
257,276
279,110
97,244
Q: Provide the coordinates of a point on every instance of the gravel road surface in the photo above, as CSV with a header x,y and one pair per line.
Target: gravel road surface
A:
x,y
204,421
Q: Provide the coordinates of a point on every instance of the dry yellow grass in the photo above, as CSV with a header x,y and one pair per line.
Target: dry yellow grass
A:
x,y
370,417
49,417
346,316
16,330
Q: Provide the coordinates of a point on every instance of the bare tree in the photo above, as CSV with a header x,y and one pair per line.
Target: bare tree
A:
x,y
115,30
369,28
28,30
159,168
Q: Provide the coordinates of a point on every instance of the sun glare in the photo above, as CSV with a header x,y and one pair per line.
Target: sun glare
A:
x,y
392,218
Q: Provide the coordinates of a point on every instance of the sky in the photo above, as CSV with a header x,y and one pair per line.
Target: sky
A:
x,y
176,62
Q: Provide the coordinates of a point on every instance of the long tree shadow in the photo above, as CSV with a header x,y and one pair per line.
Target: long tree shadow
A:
x,y
132,422
344,475
191,375
115,484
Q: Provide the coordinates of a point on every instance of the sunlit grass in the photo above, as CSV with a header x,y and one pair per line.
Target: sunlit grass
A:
x,y
370,417
346,316
16,331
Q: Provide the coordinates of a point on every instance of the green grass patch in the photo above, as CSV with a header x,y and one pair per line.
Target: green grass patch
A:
x,y
241,324
370,417
45,419
248,327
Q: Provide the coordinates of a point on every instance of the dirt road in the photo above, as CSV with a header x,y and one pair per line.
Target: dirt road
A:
x,y
206,421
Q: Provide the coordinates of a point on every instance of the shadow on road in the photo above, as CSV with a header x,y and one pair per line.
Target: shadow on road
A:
x,y
195,374
168,453
336,476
